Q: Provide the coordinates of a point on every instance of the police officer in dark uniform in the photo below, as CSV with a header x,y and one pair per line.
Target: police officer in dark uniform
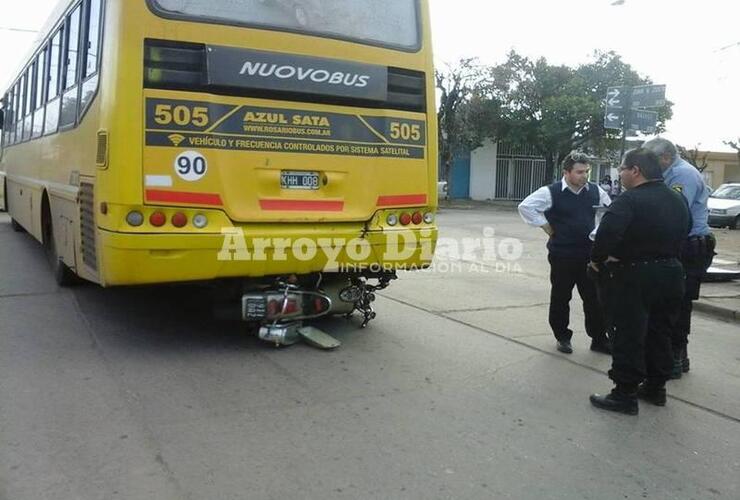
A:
x,y
641,281
697,250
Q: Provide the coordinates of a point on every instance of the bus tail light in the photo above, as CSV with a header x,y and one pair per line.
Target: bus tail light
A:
x,y
200,221
392,219
157,219
417,218
405,219
179,219
428,217
135,218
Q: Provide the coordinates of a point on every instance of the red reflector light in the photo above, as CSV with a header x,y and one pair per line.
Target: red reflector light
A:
x,y
291,307
157,219
417,218
275,308
179,219
320,305
405,219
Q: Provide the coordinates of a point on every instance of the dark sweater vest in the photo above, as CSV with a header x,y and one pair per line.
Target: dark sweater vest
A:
x,y
572,217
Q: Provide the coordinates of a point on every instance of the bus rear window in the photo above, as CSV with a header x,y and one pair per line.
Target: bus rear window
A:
x,y
380,22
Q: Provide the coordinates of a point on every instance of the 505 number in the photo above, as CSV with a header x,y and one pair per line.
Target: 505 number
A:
x,y
405,131
165,114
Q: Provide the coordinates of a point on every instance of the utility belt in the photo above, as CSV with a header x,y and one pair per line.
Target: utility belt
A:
x,y
698,247
643,262
608,270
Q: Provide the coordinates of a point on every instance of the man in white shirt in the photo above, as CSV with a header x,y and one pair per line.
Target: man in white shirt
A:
x,y
566,211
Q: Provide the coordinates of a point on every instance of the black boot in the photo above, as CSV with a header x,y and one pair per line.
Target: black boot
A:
x,y
677,371
680,363
601,345
652,392
619,400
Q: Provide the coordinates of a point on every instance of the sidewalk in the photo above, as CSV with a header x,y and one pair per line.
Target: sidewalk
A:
x,y
722,300
467,204
719,300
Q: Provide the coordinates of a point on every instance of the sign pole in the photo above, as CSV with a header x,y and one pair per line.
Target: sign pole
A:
x,y
626,119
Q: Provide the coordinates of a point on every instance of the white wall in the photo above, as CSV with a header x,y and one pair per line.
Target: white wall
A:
x,y
483,172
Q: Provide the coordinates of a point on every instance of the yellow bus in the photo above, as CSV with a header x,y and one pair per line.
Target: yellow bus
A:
x,y
275,148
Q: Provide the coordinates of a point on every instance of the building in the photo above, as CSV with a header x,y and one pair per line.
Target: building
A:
x,y
721,168
500,171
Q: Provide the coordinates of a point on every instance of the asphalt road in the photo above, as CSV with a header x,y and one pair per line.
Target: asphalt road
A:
x,y
455,391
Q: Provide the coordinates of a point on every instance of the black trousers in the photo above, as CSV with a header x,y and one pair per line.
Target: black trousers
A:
x,y
697,255
642,303
565,273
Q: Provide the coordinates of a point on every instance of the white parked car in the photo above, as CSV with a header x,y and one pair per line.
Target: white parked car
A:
x,y
442,190
724,206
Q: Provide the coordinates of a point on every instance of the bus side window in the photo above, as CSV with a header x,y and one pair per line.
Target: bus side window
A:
x,y
21,109
41,79
52,107
71,71
8,111
17,112
9,119
91,56
28,117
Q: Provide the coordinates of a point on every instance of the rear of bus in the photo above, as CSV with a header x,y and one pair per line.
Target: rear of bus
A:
x,y
295,127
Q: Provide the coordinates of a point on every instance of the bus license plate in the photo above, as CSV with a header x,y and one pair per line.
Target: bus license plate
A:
x,y
299,180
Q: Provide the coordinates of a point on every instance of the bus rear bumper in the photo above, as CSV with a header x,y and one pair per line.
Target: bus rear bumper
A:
x,y
137,259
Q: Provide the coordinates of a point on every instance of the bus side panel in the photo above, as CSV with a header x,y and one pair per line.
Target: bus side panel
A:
x,y
24,203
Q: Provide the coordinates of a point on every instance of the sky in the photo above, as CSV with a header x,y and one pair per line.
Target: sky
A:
x,y
691,46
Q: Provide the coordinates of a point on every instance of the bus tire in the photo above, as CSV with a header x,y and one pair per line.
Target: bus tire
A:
x,y
63,275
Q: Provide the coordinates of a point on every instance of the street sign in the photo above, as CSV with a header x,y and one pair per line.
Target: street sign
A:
x,y
641,120
613,118
637,119
616,97
648,96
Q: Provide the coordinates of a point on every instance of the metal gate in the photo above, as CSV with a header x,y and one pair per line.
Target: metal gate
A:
x,y
519,172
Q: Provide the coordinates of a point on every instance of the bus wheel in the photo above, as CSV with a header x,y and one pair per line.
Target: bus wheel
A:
x,y
63,275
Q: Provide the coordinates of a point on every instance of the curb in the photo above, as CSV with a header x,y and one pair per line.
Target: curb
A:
x,y
471,205
719,312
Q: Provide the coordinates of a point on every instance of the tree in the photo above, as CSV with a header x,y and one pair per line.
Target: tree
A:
x,y
736,146
694,156
557,109
457,119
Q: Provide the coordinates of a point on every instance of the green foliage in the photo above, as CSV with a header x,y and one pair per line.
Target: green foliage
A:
x,y
553,108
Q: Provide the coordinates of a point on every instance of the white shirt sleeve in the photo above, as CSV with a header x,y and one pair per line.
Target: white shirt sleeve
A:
x,y
604,199
533,208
